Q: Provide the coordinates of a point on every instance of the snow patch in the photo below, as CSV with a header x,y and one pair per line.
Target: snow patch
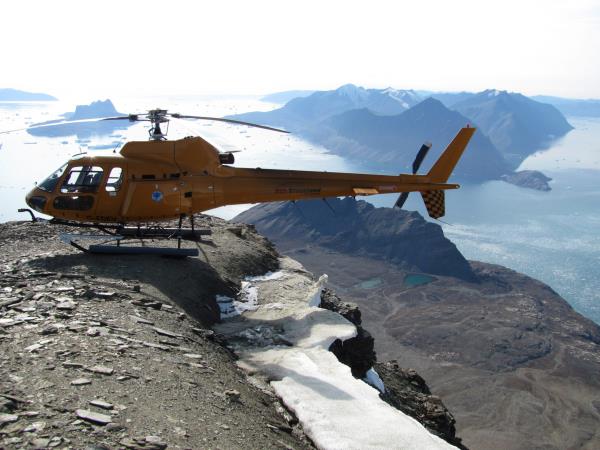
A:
x,y
374,380
315,299
247,300
291,347
267,276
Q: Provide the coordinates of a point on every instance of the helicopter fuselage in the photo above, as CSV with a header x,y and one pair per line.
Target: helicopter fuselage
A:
x,y
156,180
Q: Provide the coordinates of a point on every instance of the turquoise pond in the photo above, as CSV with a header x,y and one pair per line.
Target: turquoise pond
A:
x,y
371,283
417,279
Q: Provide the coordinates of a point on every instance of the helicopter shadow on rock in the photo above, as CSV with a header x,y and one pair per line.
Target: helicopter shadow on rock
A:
x,y
190,282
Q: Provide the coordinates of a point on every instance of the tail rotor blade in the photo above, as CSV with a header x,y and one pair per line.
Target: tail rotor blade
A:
x,y
401,200
420,156
415,167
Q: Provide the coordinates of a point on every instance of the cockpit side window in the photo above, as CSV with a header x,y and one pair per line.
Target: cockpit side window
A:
x,y
82,179
115,179
50,183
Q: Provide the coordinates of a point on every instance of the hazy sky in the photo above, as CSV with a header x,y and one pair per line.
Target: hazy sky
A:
x,y
90,49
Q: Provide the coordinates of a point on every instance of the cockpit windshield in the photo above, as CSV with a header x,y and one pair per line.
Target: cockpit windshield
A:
x,y
50,183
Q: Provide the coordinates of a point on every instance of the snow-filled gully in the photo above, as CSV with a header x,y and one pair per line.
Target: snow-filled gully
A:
x,y
283,335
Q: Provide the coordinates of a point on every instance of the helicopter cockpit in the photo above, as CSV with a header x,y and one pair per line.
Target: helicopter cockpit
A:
x,y
75,184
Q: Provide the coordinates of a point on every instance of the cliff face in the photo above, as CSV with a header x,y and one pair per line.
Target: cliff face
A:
x,y
401,237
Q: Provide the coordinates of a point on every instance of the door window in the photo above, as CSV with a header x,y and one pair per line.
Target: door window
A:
x,y
115,179
82,179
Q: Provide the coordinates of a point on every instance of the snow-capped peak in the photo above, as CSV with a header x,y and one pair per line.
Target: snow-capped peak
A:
x,y
406,98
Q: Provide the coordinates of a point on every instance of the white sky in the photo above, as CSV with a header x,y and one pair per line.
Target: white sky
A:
x,y
91,49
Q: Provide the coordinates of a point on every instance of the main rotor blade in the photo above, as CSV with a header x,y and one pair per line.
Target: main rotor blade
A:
x,y
53,124
236,122
420,156
130,117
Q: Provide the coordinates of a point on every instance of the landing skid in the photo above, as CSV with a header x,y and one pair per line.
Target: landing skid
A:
x,y
112,236
111,244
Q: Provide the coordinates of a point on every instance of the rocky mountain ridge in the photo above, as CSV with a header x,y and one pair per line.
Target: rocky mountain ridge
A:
x,y
512,359
357,227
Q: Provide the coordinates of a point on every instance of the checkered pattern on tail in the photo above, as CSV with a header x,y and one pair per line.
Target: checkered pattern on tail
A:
x,y
434,202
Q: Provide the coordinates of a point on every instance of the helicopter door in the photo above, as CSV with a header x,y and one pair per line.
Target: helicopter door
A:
x,y
77,193
110,195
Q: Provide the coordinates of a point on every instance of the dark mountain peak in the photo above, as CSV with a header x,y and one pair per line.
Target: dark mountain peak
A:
x,y
431,104
433,111
401,237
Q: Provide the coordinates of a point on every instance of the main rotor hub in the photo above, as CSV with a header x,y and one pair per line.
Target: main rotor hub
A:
x,y
156,117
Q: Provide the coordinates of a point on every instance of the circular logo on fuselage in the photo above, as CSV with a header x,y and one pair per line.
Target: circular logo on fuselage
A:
x,y
157,196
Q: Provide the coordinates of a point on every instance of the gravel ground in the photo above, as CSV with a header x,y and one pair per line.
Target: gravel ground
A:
x,y
104,352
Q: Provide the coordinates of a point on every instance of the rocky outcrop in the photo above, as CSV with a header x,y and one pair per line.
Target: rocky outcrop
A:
x,y
531,179
401,237
406,390
358,352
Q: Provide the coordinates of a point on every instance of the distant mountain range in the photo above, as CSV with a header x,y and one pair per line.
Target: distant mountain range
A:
x,y
572,107
285,96
96,109
392,141
14,95
385,127
516,125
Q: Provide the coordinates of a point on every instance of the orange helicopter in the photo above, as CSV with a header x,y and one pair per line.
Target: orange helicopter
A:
x,y
155,180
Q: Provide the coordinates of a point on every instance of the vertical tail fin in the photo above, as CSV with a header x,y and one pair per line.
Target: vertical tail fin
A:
x,y
443,167
435,203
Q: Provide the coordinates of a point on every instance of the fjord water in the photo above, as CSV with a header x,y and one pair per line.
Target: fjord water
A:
x,y
552,236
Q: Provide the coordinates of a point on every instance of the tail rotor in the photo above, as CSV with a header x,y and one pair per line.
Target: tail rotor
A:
x,y
415,167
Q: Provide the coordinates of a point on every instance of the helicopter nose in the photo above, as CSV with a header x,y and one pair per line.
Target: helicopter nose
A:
x,y
36,200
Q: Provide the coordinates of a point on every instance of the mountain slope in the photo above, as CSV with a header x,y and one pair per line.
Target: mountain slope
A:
x,y
357,227
285,96
518,126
